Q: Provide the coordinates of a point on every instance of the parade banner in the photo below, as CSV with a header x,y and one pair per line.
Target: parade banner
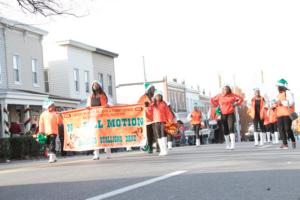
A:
x,y
100,127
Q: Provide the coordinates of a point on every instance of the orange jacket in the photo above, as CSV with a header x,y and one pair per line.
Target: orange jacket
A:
x,y
142,101
196,117
269,116
161,112
281,109
226,102
252,109
103,100
49,122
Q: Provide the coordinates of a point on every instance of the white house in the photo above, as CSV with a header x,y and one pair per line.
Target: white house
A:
x,y
71,66
22,83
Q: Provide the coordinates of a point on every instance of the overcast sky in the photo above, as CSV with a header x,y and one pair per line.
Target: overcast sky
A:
x,y
192,40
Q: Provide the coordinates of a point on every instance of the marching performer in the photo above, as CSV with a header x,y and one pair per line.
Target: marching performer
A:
x,y
256,113
285,107
195,119
275,135
215,122
173,126
161,114
227,101
48,125
98,98
269,117
146,100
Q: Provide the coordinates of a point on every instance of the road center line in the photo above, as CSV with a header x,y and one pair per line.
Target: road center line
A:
x,y
135,186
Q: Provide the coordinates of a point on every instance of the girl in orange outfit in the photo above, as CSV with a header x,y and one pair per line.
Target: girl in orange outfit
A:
x,y
195,119
48,125
97,98
285,106
146,101
256,113
161,114
269,117
227,101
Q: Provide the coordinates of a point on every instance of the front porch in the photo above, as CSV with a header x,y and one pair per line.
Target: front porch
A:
x,y
25,107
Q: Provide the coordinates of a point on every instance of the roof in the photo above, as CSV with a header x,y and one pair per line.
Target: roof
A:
x,y
19,25
40,93
87,47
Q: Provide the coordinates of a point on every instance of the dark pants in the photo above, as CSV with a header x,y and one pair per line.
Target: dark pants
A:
x,y
150,136
285,129
159,130
197,128
51,143
228,123
61,138
270,128
218,132
258,125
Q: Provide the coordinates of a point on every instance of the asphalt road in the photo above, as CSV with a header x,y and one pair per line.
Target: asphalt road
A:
x,y
208,172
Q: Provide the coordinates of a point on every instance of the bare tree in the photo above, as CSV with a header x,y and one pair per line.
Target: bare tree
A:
x,y
44,7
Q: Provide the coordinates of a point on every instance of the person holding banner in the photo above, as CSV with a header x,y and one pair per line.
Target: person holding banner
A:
x,y
146,100
285,107
48,125
227,101
161,115
257,113
195,120
97,98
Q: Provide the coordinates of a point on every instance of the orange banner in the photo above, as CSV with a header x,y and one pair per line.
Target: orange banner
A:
x,y
99,127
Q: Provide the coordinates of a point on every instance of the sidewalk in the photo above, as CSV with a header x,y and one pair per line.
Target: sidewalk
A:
x,y
15,164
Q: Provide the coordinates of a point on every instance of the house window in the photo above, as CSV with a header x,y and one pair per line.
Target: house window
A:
x,y
100,78
46,81
76,79
110,85
87,81
34,71
16,66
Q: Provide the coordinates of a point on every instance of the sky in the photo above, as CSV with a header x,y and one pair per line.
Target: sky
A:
x,y
191,40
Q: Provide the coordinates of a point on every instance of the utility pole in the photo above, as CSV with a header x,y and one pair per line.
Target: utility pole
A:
x,y
144,68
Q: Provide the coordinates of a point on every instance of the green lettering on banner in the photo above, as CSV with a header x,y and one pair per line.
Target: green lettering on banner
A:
x,y
118,123
124,122
111,123
130,138
129,122
133,121
99,124
110,139
140,121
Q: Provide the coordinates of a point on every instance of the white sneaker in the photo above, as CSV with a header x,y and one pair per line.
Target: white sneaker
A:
x,y
51,158
163,147
170,145
232,140
273,138
255,138
276,138
197,142
96,154
227,142
261,139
